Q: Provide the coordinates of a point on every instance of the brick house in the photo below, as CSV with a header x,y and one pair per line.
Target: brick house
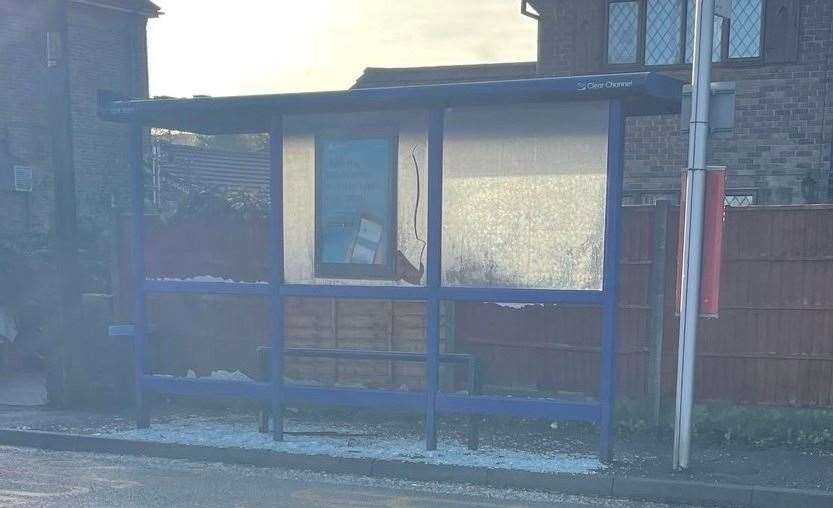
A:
x,y
107,50
776,54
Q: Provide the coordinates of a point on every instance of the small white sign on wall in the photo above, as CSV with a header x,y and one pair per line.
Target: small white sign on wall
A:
x,y
23,180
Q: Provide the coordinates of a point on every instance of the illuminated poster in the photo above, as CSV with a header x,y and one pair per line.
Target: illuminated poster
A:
x,y
355,206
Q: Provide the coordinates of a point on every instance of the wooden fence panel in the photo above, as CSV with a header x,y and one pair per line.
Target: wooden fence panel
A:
x,y
206,333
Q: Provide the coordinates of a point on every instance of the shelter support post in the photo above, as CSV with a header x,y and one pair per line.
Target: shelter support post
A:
x,y
136,155
607,382
277,275
436,127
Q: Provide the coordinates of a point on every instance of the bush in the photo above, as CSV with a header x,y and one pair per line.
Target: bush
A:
x,y
764,426
724,423
207,202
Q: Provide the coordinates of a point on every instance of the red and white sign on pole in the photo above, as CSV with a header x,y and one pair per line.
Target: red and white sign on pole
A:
x,y
712,255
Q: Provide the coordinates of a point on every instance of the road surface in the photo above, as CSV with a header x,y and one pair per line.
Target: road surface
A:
x,y
36,478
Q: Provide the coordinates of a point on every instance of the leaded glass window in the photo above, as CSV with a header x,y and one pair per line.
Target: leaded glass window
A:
x,y
745,30
623,32
661,32
739,200
662,36
689,30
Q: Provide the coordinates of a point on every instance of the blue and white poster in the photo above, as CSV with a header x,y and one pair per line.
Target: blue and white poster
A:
x,y
356,211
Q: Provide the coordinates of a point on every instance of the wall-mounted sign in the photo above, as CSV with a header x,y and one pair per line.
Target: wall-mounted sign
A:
x,y
356,204
23,179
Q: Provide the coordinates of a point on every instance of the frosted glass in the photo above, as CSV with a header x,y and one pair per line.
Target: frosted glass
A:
x,y
524,196
523,193
299,187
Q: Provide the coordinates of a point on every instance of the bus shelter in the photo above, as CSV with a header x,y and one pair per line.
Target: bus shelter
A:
x,y
522,187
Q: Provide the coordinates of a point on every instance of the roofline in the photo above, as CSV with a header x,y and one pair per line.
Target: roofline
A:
x,y
451,67
643,93
151,13
534,14
378,76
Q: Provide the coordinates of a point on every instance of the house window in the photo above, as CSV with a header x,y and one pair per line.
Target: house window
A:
x,y
355,195
661,32
717,45
623,32
745,29
739,200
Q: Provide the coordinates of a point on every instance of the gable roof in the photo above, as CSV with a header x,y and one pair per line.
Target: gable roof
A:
x,y
375,77
218,169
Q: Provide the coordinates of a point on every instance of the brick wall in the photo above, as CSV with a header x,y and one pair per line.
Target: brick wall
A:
x,y
105,46
23,113
107,51
784,114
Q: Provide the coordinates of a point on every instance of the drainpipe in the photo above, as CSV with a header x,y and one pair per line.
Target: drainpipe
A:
x,y
830,171
829,105
59,111
544,15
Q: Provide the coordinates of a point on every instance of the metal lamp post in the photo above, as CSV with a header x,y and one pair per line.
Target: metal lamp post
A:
x,y
695,190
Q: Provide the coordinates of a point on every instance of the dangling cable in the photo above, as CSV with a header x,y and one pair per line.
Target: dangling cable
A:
x,y
416,206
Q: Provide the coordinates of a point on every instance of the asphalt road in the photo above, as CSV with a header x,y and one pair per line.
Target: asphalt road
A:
x,y
40,478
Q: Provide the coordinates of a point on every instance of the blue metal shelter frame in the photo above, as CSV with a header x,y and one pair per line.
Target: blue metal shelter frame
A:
x,y
628,94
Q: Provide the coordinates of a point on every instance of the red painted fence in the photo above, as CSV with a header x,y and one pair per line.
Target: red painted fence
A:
x,y
772,344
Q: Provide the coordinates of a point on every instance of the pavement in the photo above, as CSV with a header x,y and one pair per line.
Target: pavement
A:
x,y
640,455
38,478
637,474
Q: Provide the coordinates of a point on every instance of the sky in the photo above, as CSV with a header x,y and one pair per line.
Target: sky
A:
x,y
236,47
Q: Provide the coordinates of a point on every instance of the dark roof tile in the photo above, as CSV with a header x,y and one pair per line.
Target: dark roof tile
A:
x,y
215,168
